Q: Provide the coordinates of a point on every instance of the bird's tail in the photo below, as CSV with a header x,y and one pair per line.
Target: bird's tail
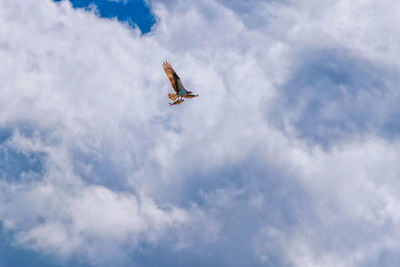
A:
x,y
173,97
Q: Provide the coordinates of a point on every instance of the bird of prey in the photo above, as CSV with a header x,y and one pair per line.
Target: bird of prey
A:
x,y
177,85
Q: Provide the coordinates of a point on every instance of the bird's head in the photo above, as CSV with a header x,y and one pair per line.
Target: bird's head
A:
x,y
190,95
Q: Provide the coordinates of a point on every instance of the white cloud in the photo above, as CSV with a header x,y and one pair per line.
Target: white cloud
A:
x,y
235,171
65,218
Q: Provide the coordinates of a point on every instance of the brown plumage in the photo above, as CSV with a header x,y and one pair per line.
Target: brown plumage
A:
x,y
176,84
172,76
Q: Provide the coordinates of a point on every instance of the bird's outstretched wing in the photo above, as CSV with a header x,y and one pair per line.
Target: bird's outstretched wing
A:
x,y
172,77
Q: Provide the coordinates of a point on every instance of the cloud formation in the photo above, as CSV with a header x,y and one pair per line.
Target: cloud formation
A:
x,y
289,157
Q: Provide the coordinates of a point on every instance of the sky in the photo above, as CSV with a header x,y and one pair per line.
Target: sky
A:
x,y
288,157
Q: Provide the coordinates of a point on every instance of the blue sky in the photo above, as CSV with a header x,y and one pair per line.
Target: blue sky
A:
x,y
134,12
289,156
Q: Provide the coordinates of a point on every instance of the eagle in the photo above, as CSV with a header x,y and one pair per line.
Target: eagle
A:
x,y
177,85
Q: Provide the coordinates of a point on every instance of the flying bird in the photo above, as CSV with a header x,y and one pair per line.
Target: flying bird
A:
x,y
177,85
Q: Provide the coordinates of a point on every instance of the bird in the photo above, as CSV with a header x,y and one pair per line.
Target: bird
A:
x,y
177,85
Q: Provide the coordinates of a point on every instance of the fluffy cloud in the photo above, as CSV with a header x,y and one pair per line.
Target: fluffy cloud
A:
x,y
288,157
